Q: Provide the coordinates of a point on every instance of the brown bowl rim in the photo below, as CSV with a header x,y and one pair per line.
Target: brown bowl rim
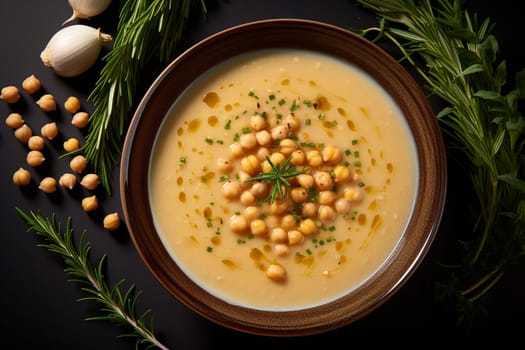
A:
x,y
301,34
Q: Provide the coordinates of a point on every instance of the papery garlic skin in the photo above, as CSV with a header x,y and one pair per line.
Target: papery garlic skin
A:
x,y
87,8
74,49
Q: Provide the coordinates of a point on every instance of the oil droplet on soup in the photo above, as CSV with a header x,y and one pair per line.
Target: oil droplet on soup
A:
x,y
211,99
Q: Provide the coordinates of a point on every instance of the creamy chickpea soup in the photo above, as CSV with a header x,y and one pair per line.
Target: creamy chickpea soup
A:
x,y
282,179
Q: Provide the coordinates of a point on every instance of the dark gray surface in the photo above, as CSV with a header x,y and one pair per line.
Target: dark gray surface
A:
x,y
39,306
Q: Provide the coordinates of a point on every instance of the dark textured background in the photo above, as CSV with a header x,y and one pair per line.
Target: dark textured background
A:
x,y
39,307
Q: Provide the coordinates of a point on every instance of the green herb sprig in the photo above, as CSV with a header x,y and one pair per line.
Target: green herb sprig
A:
x,y
277,178
148,33
118,307
457,57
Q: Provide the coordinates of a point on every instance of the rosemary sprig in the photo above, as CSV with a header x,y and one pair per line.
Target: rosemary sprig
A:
x,y
277,178
461,66
118,307
147,34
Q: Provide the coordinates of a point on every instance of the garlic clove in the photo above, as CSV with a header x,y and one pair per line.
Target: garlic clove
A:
x,y
85,9
74,49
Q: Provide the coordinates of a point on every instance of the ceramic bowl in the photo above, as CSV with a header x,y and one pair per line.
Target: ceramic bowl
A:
x,y
296,34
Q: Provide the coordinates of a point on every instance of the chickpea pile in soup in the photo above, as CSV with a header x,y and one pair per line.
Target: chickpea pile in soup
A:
x,y
282,179
318,182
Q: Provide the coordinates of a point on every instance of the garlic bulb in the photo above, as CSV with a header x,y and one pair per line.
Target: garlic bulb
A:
x,y
74,49
87,8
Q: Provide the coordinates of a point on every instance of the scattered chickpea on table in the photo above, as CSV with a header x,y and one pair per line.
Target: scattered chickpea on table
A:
x,y
49,131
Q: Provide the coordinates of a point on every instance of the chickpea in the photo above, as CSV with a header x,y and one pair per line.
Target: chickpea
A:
x,y
263,137
14,120
251,213
298,157
331,154
248,141
262,153
342,206
258,227
272,221
90,181
236,150
308,227
279,132
72,104
10,94
243,177
314,158
78,163
90,203
353,194
299,194
48,185
276,273
231,189
288,222
80,119
71,144
327,197
287,146
34,158
68,181
281,249
305,180
111,221
36,142
291,123
31,84
23,133
259,189
257,122
49,130
295,237
309,209
47,103
323,180
21,177
250,164
224,165
277,158
247,198
278,207
341,173
238,224
278,235
326,213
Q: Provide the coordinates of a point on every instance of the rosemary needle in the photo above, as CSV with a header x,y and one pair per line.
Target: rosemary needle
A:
x,y
277,177
119,307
